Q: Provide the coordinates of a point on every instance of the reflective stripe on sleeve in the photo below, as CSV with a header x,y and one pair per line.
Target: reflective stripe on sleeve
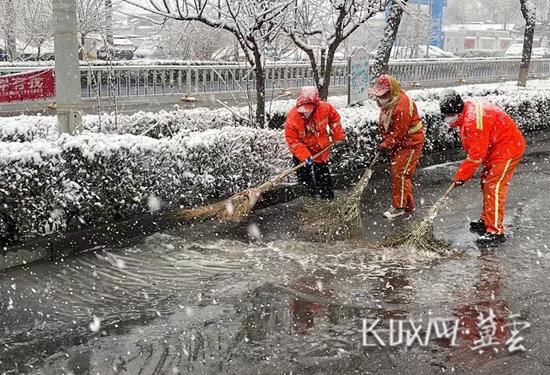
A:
x,y
479,115
416,128
477,161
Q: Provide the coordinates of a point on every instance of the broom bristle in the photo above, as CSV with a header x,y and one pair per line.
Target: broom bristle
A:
x,y
332,220
233,209
337,219
422,236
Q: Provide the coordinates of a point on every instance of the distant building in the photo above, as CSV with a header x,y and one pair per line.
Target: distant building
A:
x,y
462,38
478,36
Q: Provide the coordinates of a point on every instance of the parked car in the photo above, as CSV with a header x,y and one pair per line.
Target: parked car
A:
x,y
116,53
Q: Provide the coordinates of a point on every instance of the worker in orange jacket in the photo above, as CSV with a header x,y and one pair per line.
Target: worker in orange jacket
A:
x,y
309,127
402,138
492,139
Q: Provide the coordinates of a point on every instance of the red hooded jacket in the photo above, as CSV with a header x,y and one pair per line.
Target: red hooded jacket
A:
x,y
488,135
307,137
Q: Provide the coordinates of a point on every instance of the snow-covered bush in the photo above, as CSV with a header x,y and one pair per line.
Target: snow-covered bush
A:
x,y
96,178
26,128
162,124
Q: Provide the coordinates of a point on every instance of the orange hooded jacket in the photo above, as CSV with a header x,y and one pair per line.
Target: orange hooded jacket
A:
x,y
400,123
488,135
307,137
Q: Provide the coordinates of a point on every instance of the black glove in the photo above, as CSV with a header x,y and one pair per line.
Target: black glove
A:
x,y
459,182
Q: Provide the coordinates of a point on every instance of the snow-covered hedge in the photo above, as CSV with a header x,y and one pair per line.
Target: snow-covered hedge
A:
x,y
162,124
185,158
95,178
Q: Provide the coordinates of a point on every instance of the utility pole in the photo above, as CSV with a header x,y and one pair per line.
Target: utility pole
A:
x,y
67,72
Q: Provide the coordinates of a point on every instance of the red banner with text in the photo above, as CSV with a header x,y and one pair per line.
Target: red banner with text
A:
x,y
27,86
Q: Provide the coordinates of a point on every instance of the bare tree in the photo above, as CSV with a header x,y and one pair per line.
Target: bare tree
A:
x,y
415,30
175,44
36,26
254,23
320,26
381,62
8,25
529,12
505,12
90,16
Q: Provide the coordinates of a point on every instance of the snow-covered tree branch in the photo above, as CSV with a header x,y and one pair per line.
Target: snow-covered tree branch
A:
x,y
254,23
35,17
8,25
320,26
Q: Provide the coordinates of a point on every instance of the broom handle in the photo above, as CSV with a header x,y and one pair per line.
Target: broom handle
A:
x,y
374,159
276,180
453,185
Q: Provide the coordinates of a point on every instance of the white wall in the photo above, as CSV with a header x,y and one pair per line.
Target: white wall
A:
x,y
453,42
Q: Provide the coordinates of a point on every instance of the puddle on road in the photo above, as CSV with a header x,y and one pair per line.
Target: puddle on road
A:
x,y
168,286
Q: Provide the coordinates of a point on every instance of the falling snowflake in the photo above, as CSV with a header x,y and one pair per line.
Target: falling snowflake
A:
x,y
254,232
95,325
154,203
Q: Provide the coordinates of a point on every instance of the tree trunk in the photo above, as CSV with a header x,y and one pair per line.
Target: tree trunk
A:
x,y
260,89
323,90
314,68
322,62
529,14
237,51
109,26
38,51
10,32
381,61
82,53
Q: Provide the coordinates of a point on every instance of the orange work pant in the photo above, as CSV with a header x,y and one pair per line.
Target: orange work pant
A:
x,y
403,165
494,185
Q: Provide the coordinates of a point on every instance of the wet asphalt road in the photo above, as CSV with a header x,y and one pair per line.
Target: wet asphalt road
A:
x,y
259,298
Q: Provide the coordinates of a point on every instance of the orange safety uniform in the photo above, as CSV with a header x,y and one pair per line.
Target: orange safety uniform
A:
x,y
403,137
492,138
307,137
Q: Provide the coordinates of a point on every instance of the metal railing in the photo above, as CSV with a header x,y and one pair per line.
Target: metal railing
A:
x,y
138,80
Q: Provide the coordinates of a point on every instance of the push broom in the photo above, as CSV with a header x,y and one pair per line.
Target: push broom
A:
x,y
340,217
241,204
422,236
